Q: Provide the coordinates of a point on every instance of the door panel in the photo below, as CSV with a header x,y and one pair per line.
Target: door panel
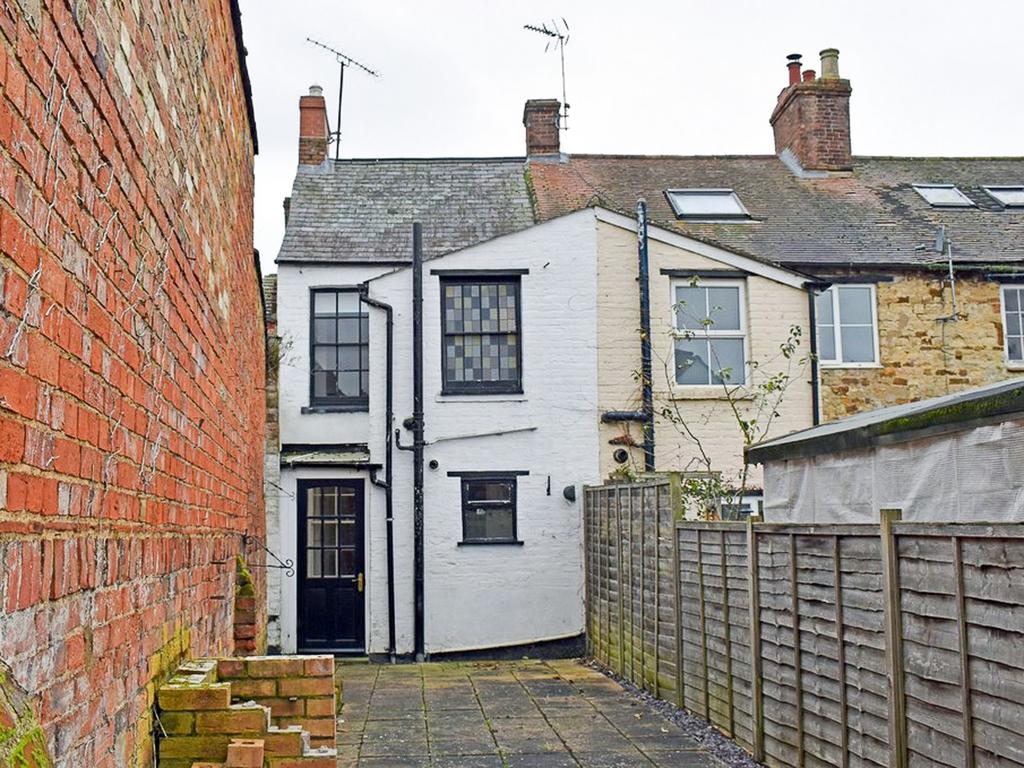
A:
x,y
331,611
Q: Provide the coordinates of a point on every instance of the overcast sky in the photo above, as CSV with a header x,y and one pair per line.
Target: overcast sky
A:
x,y
932,77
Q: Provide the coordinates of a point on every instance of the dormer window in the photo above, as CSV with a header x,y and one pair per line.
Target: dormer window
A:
x,y
1008,197
943,196
706,204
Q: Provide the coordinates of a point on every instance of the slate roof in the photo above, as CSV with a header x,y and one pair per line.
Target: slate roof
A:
x,y
871,216
363,210
1001,400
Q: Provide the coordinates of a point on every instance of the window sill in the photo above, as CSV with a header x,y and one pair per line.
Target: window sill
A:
x,y
1015,365
508,543
335,409
835,366
483,397
709,392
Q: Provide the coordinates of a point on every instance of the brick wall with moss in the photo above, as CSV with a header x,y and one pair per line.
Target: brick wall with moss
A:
x,y
22,741
921,356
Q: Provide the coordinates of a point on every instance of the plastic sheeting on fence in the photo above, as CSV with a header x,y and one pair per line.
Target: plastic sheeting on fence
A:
x,y
974,475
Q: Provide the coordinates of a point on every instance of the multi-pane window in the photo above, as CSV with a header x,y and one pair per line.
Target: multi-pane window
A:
x,y
710,333
1013,322
340,349
480,320
847,333
332,533
489,509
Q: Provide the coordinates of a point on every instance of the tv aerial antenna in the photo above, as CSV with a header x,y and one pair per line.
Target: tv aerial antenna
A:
x,y
558,36
344,61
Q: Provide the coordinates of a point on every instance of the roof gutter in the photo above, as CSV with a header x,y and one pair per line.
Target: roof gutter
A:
x,y
236,22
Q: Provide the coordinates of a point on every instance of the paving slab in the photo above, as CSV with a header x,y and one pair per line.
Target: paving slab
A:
x,y
517,714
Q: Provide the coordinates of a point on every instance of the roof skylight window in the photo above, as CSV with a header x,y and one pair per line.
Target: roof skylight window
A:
x,y
943,196
706,204
1011,197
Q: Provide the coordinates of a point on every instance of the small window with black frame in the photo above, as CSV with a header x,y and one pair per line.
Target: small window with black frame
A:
x,y
481,344
489,509
339,349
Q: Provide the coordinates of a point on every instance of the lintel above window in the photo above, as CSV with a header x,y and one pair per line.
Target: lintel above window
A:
x,y
943,196
698,204
1009,196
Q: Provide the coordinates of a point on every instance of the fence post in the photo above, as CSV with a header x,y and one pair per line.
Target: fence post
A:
x,y
893,640
622,580
754,592
677,601
588,586
965,656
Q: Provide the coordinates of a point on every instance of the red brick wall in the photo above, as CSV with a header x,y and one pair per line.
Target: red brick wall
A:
x,y
131,357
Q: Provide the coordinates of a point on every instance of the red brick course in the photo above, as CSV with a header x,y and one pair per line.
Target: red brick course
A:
x,y
131,365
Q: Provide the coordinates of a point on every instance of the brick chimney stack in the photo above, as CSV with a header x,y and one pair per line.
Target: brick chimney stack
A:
x,y
313,130
812,117
540,116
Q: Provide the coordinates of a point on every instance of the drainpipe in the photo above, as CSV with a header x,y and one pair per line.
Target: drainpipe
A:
x,y
417,425
645,333
387,484
812,313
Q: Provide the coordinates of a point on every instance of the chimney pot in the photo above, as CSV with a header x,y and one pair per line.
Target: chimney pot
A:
x,y
541,118
316,90
830,64
794,68
811,120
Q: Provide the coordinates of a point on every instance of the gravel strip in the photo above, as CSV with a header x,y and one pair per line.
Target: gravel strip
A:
x,y
731,754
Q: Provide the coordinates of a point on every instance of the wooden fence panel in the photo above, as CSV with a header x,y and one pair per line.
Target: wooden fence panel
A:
x,y
843,617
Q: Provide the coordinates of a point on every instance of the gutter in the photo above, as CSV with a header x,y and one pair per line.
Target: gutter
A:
x,y
388,483
243,68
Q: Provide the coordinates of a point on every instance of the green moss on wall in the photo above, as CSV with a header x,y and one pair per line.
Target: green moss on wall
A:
x,y
22,741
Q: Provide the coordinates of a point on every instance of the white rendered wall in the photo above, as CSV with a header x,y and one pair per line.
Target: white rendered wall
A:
x,y
487,596
293,319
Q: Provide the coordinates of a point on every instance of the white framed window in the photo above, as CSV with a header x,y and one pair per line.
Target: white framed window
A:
x,y
847,326
943,196
1012,297
706,204
1010,197
710,332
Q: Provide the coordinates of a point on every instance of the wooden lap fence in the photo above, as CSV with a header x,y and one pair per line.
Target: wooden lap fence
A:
x,y
897,644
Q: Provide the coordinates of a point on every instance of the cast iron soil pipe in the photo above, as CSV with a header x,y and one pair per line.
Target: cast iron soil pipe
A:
x,y
388,484
812,316
645,333
417,418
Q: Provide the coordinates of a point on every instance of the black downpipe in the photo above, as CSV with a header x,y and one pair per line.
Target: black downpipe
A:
x,y
388,484
645,333
417,426
812,316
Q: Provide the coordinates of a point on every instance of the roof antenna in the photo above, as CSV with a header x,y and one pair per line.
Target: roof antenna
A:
x,y
555,33
344,61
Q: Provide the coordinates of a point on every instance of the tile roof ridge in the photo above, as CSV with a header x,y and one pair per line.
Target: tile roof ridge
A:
x,y
619,156
925,158
377,160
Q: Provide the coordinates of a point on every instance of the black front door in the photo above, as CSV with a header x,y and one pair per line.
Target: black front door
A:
x,y
331,575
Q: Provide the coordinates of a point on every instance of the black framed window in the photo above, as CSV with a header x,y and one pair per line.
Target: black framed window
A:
x,y
489,509
339,349
481,342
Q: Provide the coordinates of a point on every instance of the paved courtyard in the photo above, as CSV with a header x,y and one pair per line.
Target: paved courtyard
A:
x,y
523,714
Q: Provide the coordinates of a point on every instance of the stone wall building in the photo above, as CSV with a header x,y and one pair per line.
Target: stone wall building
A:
x,y
131,360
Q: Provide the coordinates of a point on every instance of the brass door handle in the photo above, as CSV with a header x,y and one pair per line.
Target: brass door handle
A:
x,y
360,582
